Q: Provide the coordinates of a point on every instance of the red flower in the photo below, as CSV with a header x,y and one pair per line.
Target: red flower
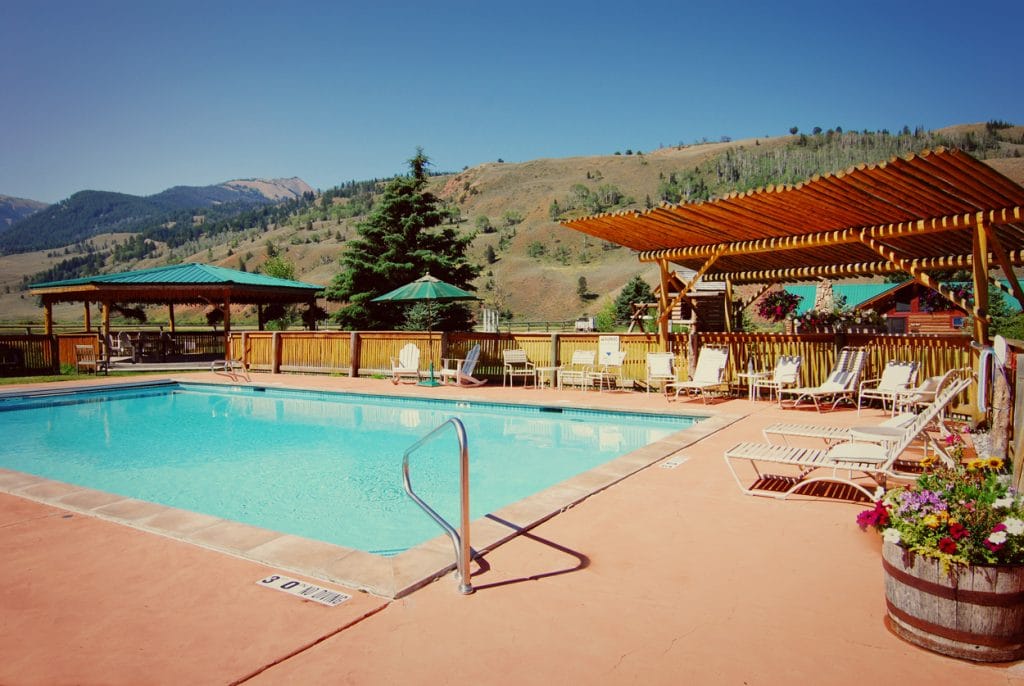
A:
x,y
876,517
958,531
947,545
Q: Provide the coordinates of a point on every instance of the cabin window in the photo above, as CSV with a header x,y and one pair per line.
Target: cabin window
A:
x,y
957,322
897,324
902,305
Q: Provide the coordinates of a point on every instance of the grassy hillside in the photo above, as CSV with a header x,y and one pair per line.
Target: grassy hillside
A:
x,y
537,264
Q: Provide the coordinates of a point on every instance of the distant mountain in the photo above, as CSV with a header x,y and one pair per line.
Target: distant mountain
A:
x,y
14,209
88,213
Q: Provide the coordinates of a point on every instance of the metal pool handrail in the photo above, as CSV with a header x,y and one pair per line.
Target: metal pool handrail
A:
x,y
461,542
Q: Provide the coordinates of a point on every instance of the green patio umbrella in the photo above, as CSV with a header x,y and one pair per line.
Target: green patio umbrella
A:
x,y
428,289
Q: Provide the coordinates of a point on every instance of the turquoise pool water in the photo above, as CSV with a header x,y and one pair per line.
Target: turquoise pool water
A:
x,y
325,466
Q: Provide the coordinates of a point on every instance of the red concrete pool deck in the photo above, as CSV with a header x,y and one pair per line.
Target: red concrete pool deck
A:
x,y
671,576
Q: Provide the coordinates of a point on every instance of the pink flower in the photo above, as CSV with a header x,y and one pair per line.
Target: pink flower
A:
x,y
877,517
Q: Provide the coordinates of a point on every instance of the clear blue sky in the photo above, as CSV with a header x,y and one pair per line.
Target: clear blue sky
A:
x,y
140,96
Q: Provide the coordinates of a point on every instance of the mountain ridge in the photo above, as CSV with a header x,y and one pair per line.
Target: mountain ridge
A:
x,y
534,268
89,213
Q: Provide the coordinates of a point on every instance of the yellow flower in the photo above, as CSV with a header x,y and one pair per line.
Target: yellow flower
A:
x,y
931,521
975,465
929,460
942,516
995,463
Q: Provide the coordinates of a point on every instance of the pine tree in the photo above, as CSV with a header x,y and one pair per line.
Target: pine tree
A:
x,y
403,238
636,290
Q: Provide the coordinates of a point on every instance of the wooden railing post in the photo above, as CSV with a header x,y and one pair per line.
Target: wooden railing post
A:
x,y
353,354
275,353
554,350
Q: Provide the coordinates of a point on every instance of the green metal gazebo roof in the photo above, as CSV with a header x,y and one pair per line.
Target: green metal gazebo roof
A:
x,y
181,274
178,283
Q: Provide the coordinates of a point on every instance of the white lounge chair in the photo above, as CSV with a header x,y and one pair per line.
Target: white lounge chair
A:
x,y
708,375
460,371
827,432
517,364
407,365
660,369
897,377
575,373
923,394
840,386
608,370
786,373
839,464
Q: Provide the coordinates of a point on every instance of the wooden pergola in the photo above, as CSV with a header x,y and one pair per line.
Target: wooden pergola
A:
x,y
937,210
188,284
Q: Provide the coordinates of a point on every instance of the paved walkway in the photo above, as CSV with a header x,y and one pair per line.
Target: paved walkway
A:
x,y
669,577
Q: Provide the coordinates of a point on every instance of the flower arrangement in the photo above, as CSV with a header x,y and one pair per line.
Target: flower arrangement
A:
x,y
964,515
932,301
778,305
838,319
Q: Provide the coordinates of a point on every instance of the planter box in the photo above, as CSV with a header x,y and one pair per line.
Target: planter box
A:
x,y
976,613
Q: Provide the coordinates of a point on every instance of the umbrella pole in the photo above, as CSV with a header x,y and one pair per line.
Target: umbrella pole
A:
x,y
430,345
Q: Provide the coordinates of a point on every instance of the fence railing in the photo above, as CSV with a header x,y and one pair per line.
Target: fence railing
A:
x,y
369,353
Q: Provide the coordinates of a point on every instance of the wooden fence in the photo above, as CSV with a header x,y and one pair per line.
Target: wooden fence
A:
x,y
369,353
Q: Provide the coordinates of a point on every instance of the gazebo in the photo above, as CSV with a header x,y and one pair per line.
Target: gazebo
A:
x,y
189,284
936,210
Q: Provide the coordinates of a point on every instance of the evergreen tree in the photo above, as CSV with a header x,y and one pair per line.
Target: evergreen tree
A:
x,y
403,238
636,290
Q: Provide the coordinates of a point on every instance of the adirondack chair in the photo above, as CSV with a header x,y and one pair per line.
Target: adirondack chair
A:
x,y
460,371
407,365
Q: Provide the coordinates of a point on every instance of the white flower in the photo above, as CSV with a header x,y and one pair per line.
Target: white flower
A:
x,y
997,537
1006,502
879,492
891,535
1014,526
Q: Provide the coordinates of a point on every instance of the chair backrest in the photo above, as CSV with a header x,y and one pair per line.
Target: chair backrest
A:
x,y
471,359
615,359
787,369
583,358
606,345
660,364
847,371
897,375
515,356
409,356
711,362
958,383
85,353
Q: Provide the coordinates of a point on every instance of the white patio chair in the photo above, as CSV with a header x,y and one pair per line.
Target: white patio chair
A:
x,y
576,372
786,373
660,369
407,365
841,384
608,371
708,375
896,378
518,364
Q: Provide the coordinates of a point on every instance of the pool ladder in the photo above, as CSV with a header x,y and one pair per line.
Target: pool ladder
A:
x,y
461,542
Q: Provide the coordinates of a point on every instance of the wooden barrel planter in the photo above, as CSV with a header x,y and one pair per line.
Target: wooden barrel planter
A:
x,y
977,613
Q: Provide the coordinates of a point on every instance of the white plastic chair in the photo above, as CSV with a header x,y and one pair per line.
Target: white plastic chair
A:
x,y
407,365
660,369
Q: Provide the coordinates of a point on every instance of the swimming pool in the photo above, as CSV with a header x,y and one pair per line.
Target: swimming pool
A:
x,y
323,466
